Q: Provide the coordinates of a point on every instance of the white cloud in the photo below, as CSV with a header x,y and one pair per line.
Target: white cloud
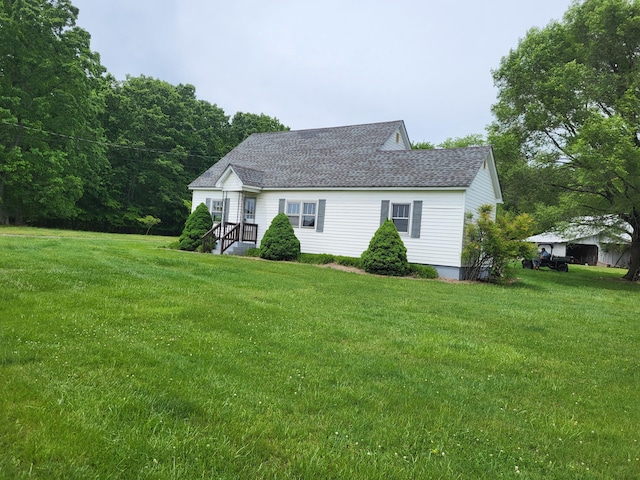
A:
x,y
324,63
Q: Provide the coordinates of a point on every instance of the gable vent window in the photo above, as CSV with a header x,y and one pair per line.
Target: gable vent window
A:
x,y
302,214
400,216
397,137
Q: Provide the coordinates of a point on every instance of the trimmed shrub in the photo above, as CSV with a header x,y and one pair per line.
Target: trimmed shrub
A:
x,y
386,254
423,271
316,258
197,224
280,241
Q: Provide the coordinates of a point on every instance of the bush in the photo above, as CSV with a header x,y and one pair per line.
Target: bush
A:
x,y
317,258
386,254
279,241
489,246
423,271
252,252
197,224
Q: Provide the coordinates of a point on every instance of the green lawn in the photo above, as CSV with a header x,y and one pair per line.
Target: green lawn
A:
x,y
120,358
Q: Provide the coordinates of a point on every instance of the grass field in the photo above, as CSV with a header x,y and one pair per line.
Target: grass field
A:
x,y
120,358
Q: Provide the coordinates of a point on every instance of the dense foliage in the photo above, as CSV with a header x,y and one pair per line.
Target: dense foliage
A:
x,y
279,241
386,254
569,102
197,224
48,84
80,149
490,245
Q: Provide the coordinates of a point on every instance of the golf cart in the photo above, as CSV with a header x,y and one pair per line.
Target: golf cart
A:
x,y
554,262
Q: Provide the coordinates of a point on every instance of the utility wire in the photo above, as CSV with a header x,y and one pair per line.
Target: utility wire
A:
x,y
106,144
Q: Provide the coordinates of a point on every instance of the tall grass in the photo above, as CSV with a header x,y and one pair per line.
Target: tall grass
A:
x,y
123,359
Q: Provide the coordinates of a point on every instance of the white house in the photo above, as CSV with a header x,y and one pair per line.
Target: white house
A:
x,y
337,185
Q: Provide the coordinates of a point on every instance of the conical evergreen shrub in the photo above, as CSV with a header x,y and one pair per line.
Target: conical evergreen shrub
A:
x,y
279,241
386,254
197,224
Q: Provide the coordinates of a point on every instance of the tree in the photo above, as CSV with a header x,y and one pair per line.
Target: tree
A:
x,y
149,221
471,140
279,241
197,224
386,254
490,245
244,124
48,106
161,138
570,93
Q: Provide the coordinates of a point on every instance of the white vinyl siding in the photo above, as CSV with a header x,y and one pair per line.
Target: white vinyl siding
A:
x,y
481,191
201,196
397,141
351,219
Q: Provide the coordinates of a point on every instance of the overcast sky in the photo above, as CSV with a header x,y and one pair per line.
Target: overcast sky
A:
x,y
323,63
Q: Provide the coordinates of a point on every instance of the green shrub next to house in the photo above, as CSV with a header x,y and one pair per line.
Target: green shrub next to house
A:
x,y
279,241
386,254
197,224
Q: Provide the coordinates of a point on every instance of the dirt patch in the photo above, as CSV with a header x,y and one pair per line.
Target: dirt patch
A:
x,y
344,268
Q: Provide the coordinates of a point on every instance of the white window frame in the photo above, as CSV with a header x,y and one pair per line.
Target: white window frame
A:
x,y
396,215
302,213
217,213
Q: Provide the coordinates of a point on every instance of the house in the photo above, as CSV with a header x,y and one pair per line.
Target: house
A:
x,y
587,244
337,185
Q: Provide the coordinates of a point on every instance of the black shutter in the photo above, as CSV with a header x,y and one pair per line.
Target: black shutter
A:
x,y
416,222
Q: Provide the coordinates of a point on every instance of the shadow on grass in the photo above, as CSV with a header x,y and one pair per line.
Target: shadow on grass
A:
x,y
578,276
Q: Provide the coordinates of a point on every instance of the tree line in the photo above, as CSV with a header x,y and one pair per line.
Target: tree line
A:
x,y
80,149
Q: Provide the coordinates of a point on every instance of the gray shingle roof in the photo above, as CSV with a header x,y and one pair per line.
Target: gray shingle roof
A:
x,y
344,157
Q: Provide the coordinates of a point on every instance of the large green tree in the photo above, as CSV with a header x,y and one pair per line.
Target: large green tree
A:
x,y
244,124
161,138
48,103
570,94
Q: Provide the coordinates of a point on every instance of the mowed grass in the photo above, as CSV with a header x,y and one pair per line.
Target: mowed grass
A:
x,y
120,358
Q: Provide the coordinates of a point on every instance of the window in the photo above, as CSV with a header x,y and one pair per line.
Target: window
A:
x,y
293,212
400,216
302,214
215,208
309,215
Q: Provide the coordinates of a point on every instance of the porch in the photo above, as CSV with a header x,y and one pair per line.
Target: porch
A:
x,y
226,234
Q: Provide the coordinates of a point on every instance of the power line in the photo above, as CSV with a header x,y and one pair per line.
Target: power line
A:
x,y
106,144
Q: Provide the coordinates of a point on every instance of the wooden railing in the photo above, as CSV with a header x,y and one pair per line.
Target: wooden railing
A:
x,y
228,234
210,238
250,232
231,236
